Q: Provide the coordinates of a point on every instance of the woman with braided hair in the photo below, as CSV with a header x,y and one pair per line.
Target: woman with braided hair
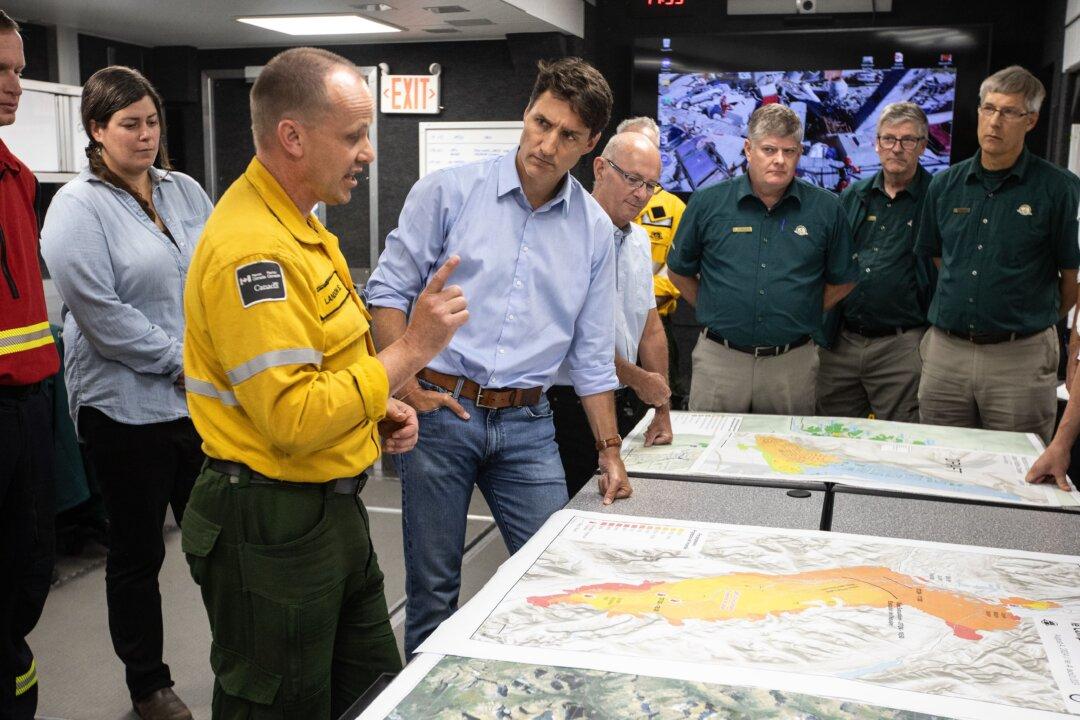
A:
x,y
118,240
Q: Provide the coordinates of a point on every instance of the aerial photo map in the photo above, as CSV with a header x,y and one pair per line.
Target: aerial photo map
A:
x,y
902,457
467,688
927,627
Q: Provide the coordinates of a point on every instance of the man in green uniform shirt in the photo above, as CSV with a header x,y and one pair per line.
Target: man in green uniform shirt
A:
x,y
1001,226
872,363
760,257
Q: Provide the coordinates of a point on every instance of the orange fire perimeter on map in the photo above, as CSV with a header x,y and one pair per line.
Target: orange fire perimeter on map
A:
x,y
755,596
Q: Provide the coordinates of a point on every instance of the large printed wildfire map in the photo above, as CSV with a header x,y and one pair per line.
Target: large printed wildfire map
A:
x,y
874,615
903,457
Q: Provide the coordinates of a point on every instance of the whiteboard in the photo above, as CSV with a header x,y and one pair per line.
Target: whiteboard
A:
x,y
446,144
34,138
47,133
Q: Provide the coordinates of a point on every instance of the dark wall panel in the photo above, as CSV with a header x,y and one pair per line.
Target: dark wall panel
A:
x,y
36,51
96,53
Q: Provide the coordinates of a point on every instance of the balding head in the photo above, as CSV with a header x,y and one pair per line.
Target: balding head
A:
x,y
296,85
627,159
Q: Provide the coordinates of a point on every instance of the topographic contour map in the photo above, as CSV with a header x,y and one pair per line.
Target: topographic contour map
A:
x,y
900,457
920,626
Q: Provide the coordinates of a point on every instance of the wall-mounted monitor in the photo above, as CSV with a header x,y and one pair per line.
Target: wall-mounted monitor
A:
x,y
703,89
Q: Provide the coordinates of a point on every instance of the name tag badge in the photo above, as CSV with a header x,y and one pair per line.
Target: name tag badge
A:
x,y
871,218
961,211
742,229
332,295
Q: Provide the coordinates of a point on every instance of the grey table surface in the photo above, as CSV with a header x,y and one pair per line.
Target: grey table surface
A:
x,y
944,520
712,502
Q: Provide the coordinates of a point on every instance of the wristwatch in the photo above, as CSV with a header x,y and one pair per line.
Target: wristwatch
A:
x,y
602,445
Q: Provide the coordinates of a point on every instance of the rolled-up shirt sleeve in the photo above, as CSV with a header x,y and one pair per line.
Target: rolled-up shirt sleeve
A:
x,y
414,246
840,268
76,251
590,360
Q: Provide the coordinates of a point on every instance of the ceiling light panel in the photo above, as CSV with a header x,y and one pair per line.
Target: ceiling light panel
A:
x,y
444,9
319,24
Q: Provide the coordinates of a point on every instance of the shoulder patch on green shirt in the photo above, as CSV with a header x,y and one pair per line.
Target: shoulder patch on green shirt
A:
x,y
261,281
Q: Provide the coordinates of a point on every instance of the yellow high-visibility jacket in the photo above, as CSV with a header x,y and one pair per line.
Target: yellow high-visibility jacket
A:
x,y
279,364
660,218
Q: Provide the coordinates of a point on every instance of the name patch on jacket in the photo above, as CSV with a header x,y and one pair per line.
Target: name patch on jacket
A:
x,y
261,281
332,295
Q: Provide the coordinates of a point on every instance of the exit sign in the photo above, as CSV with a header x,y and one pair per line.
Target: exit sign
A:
x,y
410,94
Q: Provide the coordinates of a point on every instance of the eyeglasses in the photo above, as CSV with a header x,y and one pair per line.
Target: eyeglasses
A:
x,y
907,142
1009,114
636,182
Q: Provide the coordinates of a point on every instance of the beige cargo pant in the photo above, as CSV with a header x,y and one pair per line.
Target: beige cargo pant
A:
x,y
862,375
1005,386
726,380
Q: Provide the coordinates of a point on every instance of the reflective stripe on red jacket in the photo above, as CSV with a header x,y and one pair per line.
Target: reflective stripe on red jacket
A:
x,y
27,352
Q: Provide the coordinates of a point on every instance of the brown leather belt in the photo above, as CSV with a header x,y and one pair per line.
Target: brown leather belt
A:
x,y
488,398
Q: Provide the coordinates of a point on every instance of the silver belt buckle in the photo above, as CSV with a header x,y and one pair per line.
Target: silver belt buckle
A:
x,y
480,400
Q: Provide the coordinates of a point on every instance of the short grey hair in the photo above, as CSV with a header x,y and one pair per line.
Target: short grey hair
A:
x,y
636,124
900,112
1015,80
774,119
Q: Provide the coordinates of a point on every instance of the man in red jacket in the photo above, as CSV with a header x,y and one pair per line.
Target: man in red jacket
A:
x,y
27,356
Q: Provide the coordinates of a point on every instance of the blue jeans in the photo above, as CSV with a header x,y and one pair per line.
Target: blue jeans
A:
x,y
511,456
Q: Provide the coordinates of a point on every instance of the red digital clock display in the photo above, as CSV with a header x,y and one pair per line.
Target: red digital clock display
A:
x,y
664,3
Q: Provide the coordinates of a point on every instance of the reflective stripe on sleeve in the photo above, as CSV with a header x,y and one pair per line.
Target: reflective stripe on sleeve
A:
x,y
27,680
27,337
201,387
274,358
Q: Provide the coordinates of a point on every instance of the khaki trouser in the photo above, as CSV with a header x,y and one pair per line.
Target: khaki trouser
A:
x,y
726,380
1005,386
862,375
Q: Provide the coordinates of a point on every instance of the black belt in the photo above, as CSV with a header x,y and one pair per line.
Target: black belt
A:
x,y
342,486
18,392
758,350
877,332
990,338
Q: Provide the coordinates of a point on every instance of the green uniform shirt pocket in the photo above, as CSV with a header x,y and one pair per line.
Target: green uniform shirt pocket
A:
x,y
241,678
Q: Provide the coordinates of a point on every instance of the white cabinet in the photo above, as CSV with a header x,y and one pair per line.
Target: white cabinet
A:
x,y
47,134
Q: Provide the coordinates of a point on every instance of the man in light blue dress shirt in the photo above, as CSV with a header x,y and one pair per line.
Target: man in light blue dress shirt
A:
x,y
538,267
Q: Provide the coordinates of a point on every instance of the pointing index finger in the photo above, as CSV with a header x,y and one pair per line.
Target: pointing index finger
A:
x,y
438,280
